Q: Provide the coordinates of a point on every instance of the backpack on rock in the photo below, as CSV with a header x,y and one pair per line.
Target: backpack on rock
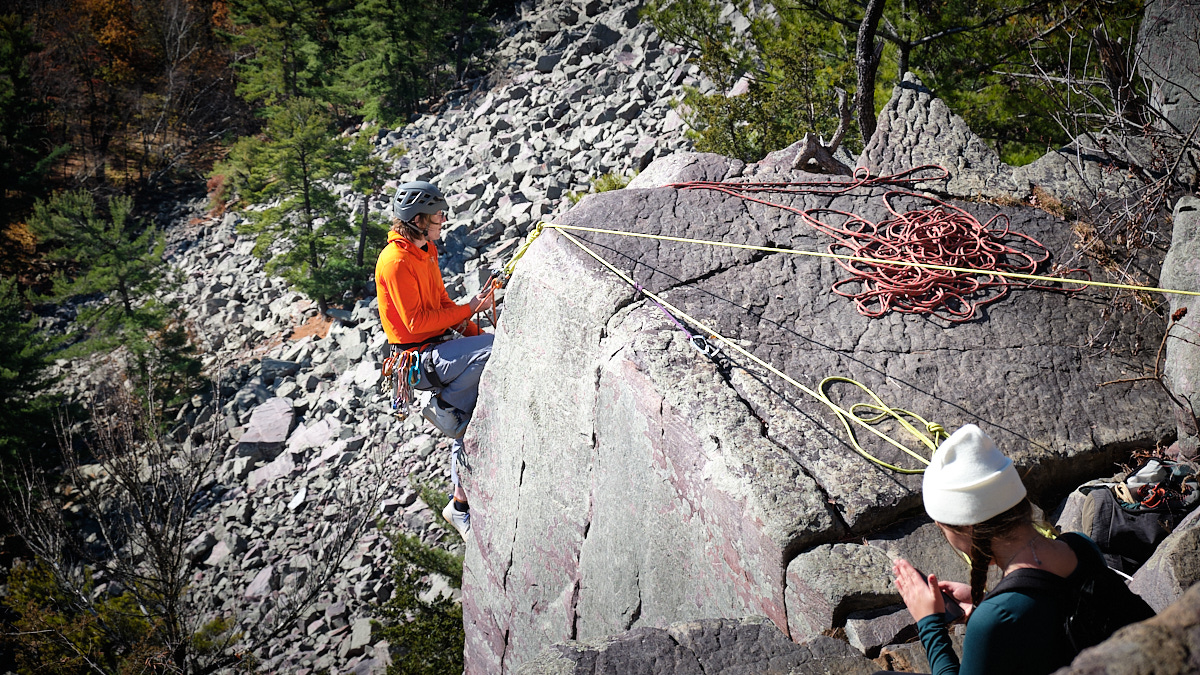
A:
x,y
1128,520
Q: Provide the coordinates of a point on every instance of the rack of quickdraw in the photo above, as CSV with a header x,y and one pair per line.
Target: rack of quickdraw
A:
x,y
401,373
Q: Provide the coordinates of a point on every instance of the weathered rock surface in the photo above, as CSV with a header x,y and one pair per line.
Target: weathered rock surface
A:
x,y
1181,270
269,426
917,128
829,582
1169,58
707,647
1174,567
690,486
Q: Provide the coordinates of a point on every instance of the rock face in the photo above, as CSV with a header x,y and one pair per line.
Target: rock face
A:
x,y
1173,568
1181,270
707,647
619,479
916,127
1169,59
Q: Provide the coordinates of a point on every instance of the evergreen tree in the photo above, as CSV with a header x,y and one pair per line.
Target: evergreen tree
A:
x,y
305,232
370,172
103,255
23,161
396,54
25,414
291,48
431,630
999,63
788,61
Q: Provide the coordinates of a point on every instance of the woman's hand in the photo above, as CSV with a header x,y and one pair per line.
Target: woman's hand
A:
x,y
921,596
484,300
961,594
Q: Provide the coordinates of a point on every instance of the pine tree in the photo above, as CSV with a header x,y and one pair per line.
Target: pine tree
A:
x,y
23,162
291,48
25,414
103,255
396,54
370,173
304,232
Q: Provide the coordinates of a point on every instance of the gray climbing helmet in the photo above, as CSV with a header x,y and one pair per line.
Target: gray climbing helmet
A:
x,y
417,197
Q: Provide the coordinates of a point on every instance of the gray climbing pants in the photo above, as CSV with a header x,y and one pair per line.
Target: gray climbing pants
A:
x,y
458,365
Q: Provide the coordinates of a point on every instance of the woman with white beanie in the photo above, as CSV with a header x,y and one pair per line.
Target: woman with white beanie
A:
x,y
974,494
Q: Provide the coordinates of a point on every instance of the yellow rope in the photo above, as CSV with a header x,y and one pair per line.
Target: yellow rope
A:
x,y
512,264
846,416
874,261
882,411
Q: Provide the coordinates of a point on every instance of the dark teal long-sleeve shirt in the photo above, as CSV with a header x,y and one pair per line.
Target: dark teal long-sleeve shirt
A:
x,y
1017,632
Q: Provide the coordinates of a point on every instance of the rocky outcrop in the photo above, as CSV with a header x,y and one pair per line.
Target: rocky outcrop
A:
x,y
916,128
622,480
707,647
1168,58
1174,567
1181,372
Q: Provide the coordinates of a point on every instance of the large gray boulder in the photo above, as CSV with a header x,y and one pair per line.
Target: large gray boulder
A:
x,y
917,128
1170,60
1174,567
268,429
619,479
1181,271
707,647
827,583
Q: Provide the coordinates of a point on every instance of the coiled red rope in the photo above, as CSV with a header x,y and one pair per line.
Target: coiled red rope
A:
x,y
941,234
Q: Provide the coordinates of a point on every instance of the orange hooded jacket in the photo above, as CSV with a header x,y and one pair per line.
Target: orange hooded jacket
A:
x,y
413,303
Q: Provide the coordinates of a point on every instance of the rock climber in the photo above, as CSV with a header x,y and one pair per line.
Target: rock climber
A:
x,y
975,496
418,314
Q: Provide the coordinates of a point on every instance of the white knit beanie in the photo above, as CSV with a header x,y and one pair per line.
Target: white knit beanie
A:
x,y
969,480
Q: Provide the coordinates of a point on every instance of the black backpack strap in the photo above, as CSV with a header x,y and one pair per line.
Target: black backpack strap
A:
x,y
1037,581
1027,579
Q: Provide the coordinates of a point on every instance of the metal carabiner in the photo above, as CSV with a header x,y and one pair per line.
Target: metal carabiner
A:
x,y
703,346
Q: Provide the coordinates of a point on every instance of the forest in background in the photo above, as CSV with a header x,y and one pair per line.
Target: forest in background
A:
x,y
110,109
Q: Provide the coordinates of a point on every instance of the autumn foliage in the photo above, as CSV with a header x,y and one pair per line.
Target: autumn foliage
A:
x,y
136,88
